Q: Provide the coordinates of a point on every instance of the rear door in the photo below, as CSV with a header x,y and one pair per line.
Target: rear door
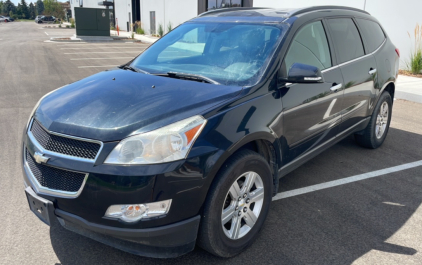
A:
x,y
358,69
373,39
311,111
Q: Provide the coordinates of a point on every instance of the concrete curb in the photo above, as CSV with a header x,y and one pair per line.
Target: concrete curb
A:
x,y
408,96
409,88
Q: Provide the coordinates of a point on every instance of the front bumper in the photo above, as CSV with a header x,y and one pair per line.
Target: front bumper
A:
x,y
160,242
183,181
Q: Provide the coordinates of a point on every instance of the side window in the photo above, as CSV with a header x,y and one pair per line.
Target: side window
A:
x,y
372,34
309,46
346,39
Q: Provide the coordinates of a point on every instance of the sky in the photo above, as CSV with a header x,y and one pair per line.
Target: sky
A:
x,y
27,1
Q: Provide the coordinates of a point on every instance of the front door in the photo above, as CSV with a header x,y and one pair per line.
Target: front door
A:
x,y
311,111
358,69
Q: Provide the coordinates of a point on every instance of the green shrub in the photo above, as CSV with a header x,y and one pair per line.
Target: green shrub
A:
x,y
169,27
67,26
140,31
112,28
72,22
160,30
414,65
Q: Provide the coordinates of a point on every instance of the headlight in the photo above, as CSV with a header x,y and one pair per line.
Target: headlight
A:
x,y
168,143
135,212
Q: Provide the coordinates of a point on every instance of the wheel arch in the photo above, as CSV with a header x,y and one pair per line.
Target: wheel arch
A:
x,y
263,143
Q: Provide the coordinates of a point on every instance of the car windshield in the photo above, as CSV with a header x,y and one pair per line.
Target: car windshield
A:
x,y
228,53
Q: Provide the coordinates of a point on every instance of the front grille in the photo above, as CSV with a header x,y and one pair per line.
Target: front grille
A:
x,y
54,178
64,145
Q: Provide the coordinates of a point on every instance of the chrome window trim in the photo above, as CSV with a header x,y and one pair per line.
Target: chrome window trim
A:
x,y
354,60
47,152
39,189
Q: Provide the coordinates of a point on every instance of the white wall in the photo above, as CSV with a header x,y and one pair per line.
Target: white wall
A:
x,y
174,11
396,17
86,3
121,12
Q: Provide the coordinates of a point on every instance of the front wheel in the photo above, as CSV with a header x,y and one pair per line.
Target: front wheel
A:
x,y
375,133
237,205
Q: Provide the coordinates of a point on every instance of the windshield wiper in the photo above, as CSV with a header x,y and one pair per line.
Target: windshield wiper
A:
x,y
134,69
194,77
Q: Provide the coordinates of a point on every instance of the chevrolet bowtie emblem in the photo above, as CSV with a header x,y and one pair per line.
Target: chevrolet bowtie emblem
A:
x,y
40,158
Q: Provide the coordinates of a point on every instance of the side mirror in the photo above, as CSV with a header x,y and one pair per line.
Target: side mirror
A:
x,y
303,73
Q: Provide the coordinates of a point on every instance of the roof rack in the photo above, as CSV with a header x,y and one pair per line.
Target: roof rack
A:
x,y
316,8
228,9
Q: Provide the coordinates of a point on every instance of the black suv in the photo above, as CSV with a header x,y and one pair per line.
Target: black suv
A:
x,y
186,143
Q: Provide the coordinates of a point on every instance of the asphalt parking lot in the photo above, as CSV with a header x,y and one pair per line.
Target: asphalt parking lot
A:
x,y
374,219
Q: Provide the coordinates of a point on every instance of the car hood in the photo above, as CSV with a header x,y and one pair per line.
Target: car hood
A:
x,y
113,104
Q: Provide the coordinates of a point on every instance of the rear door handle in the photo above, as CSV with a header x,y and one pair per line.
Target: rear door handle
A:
x,y
336,87
372,71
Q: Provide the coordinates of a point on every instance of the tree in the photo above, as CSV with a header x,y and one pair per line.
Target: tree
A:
x,y
23,11
8,7
1,7
53,8
40,7
31,11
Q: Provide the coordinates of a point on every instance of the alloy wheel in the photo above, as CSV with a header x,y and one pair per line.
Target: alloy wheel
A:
x,y
382,120
242,205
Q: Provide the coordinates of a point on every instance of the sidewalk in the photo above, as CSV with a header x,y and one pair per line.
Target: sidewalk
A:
x,y
409,88
143,38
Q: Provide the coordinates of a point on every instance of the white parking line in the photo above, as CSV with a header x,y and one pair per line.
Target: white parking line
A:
x,y
334,183
104,52
46,33
76,44
97,48
97,66
79,59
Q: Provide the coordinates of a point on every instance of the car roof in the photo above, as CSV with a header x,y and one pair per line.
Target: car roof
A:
x,y
269,14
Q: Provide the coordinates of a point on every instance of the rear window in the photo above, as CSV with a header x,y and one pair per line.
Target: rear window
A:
x,y
372,34
346,39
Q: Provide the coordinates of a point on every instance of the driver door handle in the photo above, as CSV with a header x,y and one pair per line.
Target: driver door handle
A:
x,y
372,71
336,87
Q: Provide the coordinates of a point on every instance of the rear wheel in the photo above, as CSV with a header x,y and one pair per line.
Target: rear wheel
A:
x,y
375,133
237,205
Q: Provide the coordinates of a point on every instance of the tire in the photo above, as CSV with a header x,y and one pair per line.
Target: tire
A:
x,y
371,137
215,237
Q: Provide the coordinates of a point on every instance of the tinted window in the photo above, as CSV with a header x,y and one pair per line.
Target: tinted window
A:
x,y
346,38
213,4
309,46
372,33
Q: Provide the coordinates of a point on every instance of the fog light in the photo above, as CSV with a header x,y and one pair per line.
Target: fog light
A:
x,y
135,212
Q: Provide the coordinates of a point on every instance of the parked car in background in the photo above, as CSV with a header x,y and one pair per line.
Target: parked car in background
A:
x,y
6,19
45,19
186,143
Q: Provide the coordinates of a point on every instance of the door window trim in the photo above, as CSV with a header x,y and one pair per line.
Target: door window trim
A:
x,y
330,44
357,28
363,38
356,59
363,43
